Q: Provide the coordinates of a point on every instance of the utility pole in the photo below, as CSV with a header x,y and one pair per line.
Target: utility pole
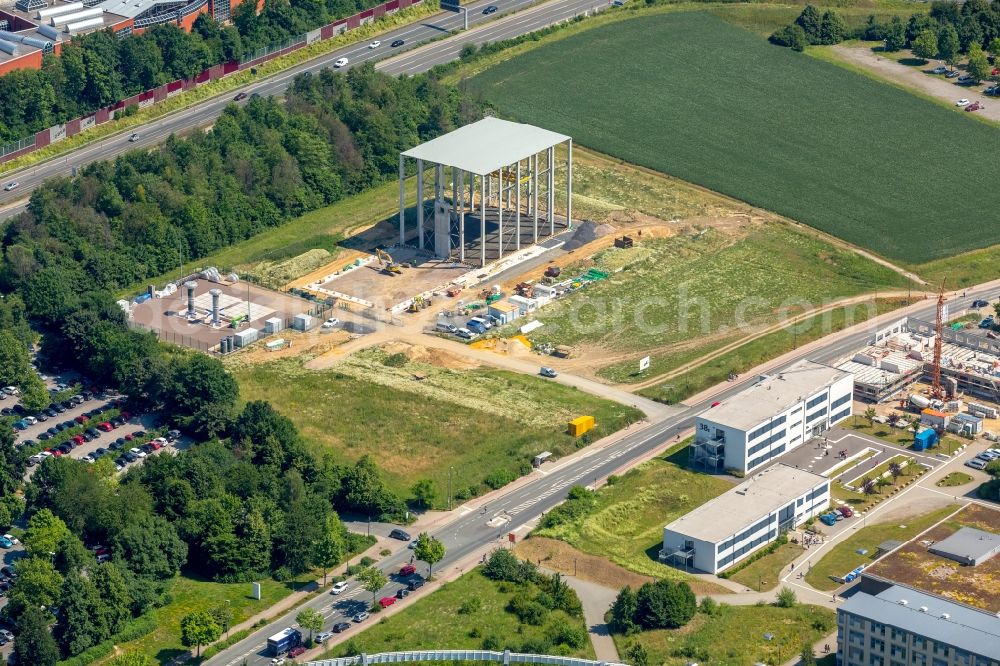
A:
x,y
450,469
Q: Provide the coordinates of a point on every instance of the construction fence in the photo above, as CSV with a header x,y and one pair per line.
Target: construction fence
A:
x,y
76,126
506,658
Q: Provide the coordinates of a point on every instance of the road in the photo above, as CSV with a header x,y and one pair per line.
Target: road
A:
x,y
416,56
476,525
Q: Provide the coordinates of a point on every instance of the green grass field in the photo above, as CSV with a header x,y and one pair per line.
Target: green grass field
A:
x,y
735,636
785,132
844,557
451,618
683,296
626,523
472,421
765,573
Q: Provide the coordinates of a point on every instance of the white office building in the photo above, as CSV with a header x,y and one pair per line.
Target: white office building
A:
x,y
720,533
777,414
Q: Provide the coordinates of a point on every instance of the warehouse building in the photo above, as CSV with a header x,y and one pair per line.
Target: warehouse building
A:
x,y
885,624
720,533
777,414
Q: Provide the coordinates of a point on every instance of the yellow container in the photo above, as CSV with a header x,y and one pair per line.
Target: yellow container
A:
x,y
580,425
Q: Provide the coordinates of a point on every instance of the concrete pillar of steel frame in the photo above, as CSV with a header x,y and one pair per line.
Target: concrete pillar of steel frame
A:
x,y
482,221
420,203
550,195
517,208
534,197
569,185
402,199
500,190
461,216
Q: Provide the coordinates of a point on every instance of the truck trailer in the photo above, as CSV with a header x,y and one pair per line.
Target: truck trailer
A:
x,y
283,641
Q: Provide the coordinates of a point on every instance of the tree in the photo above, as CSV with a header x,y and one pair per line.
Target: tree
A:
x,y
15,362
786,598
71,555
832,28
328,552
867,485
223,614
948,44
791,36
994,47
34,395
429,550
925,45
45,531
993,468
502,564
809,20
895,470
199,628
978,65
881,482
81,624
151,547
665,605
623,612
311,619
637,655
133,658
895,35
200,394
373,580
870,415
37,584
33,643
424,493
807,657
116,599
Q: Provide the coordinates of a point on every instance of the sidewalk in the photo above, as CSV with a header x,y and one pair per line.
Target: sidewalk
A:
x,y
596,600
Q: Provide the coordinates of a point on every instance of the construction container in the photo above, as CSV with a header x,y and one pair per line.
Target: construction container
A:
x,y
245,337
924,440
504,311
580,425
934,418
979,409
273,325
302,322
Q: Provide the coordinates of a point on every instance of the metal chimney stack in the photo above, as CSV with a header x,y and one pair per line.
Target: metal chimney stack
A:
x,y
215,306
191,286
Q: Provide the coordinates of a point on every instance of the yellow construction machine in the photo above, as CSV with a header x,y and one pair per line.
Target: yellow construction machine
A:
x,y
388,265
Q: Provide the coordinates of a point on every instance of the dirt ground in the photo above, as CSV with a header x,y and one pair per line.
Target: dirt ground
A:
x,y
916,77
311,343
343,258
370,283
441,358
922,388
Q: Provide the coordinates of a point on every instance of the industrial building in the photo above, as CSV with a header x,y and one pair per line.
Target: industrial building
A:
x,y
720,533
502,190
969,546
887,624
777,414
32,29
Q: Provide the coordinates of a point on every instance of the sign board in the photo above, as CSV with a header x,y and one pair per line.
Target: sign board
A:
x,y
511,537
255,591
643,364
451,5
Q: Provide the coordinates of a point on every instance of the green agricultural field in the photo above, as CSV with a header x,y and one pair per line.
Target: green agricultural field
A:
x,y
468,613
734,636
475,422
625,521
812,141
683,296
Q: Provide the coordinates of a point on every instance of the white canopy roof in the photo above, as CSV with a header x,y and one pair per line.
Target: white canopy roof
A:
x,y
486,145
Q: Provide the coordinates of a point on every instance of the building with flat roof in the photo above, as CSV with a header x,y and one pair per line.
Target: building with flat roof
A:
x,y
969,546
892,625
730,527
509,161
777,414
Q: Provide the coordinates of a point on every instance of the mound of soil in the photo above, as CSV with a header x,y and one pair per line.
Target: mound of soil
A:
x,y
437,357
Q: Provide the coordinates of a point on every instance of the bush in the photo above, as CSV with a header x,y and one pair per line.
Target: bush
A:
x,y
792,36
397,360
367,561
664,605
708,606
503,565
786,598
470,606
499,478
492,642
527,610
563,633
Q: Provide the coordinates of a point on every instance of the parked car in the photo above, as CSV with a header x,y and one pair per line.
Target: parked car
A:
x,y
415,583
829,518
465,334
361,617
340,62
445,327
397,43
338,587
976,463
331,323
953,74
940,69
845,511
341,627
402,593
324,636
6,543
137,452
965,78
385,602
407,570
963,102
296,651
401,535
975,106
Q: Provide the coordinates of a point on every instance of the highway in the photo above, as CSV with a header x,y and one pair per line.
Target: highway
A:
x,y
417,55
476,525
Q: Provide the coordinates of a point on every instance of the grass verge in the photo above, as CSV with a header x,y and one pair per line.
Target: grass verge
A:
x,y
844,556
953,479
765,573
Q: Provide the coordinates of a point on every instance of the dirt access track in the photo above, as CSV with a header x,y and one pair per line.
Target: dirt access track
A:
x,y
918,77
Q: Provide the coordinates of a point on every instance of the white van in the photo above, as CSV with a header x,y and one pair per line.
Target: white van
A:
x,y
445,327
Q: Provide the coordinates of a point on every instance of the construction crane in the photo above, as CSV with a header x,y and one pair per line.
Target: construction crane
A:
x,y
388,265
936,391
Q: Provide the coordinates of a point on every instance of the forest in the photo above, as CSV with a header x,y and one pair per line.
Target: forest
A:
x,y
100,68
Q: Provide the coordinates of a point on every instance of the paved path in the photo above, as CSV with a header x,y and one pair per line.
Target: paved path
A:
x,y
596,600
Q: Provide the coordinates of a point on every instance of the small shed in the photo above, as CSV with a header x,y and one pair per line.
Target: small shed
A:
x,y
524,303
273,325
925,439
504,311
934,418
302,322
245,337
966,424
541,458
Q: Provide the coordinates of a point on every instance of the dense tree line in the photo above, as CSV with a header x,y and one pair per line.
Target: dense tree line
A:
x,y
122,222
98,69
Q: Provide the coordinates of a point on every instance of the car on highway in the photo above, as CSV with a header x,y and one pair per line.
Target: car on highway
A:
x,y
940,69
361,617
546,371
397,43
375,44
490,9
331,323
240,97
340,62
979,303
338,588
400,535
340,627
13,185
407,570
963,102
134,137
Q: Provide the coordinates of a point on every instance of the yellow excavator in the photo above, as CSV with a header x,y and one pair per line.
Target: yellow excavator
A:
x,y
388,265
